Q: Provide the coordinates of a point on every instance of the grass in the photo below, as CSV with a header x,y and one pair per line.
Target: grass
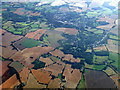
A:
x,y
88,50
82,83
44,25
11,29
98,32
88,66
33,29
113,37
17,33
99,59
29,43
22,23
99,67
92,30
2,58
34,26
60,76
93,14
95,67
114,56
109,71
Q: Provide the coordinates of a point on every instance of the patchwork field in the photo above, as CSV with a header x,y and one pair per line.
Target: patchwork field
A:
x,y
42,73
54,37
28,55
55,69
72,77
109,71
59,44
32,83
67,30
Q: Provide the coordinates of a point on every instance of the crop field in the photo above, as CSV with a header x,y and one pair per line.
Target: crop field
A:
x,y
59,44
99,59
109,71
67,30
29,43
54,37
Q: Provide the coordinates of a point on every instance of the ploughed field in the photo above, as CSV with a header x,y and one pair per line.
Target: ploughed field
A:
x,y
47,46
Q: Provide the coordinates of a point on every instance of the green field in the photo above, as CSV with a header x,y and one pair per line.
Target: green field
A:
x,y
54,37
91,30
109,71
113,37
98,31
95,67
43,25
93,14
99,59
29,43
114,56
82,83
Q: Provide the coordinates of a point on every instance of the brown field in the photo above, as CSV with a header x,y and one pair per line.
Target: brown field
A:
x,y
55,69
2,31
11,82
72,77
29,12
30,35
17,66
4,66
68,57
33,14
37,37
58,53
8,51
113,48
17,44
101,48
7,38
24,74
61,63
18,56
115,79
48,61
106,27
41,31
75,60
28,55
32,83
107,19
67,30
110,41
19,11
54,83
27,62
42,73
